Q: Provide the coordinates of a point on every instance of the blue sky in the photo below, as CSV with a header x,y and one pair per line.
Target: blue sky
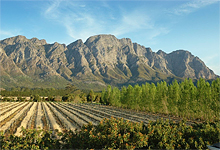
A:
x,y
167,25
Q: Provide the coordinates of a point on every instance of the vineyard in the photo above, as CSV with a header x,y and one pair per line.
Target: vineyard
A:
x,y
59,125
60,116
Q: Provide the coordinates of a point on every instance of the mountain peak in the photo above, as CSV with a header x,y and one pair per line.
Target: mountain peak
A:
x,y
77,43
38,42
15,39
20,37
102,38
160,52
23,39
181,51
101,59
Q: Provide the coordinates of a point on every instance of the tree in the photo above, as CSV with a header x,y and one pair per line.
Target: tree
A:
x,y
51,98
83,97
137,97
68,97
107,95
173,97
114,98
102,100
145,102
123,95
130,96
70,88
20,99
98,98
152,94
91,96
215,90
36,98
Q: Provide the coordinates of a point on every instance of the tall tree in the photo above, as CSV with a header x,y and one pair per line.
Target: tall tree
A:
x,y
152,95
91,96
174,97
137,97
103,97
130,96
145,102
115,97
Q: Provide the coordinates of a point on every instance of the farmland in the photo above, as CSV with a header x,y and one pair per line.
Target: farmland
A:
x,y
61,116
162,116
65,125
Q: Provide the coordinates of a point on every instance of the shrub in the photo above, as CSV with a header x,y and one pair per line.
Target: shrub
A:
x,y
120,134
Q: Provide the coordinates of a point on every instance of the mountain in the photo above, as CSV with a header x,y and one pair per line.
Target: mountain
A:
x,y
101,60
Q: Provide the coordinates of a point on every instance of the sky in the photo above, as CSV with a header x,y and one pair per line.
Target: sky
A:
x,y
167,25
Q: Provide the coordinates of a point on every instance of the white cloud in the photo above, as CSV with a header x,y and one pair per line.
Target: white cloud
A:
x,y
133,21
191,6
51,11
81,21
74,17
5,34
159,31
140,23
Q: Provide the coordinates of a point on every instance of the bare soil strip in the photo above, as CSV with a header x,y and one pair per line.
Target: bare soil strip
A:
x,y
65,116
10,115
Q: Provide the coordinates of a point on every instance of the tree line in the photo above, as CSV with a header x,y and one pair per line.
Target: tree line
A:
x,y
200,101
24,91
69,93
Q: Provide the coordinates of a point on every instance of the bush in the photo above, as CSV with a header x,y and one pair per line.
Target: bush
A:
x,y
109,133
120,134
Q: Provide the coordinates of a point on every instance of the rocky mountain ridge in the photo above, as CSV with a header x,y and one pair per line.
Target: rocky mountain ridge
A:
x,y
101,60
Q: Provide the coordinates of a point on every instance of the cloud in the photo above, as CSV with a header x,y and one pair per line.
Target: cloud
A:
x,y
159,31
132,21
74,17
51,10
191,6
5,34
82,21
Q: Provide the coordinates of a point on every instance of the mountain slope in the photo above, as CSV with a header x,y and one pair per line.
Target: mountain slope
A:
x,y
101,59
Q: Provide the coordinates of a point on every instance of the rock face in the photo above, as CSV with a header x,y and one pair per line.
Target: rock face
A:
x,y
101,59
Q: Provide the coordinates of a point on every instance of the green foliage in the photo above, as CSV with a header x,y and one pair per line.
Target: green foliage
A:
x,y
40,91
50,98
119,134
68,97
31,139
6,99
170,135
201,102
20,99
110,133
36,98
98,98
70,93
91,96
